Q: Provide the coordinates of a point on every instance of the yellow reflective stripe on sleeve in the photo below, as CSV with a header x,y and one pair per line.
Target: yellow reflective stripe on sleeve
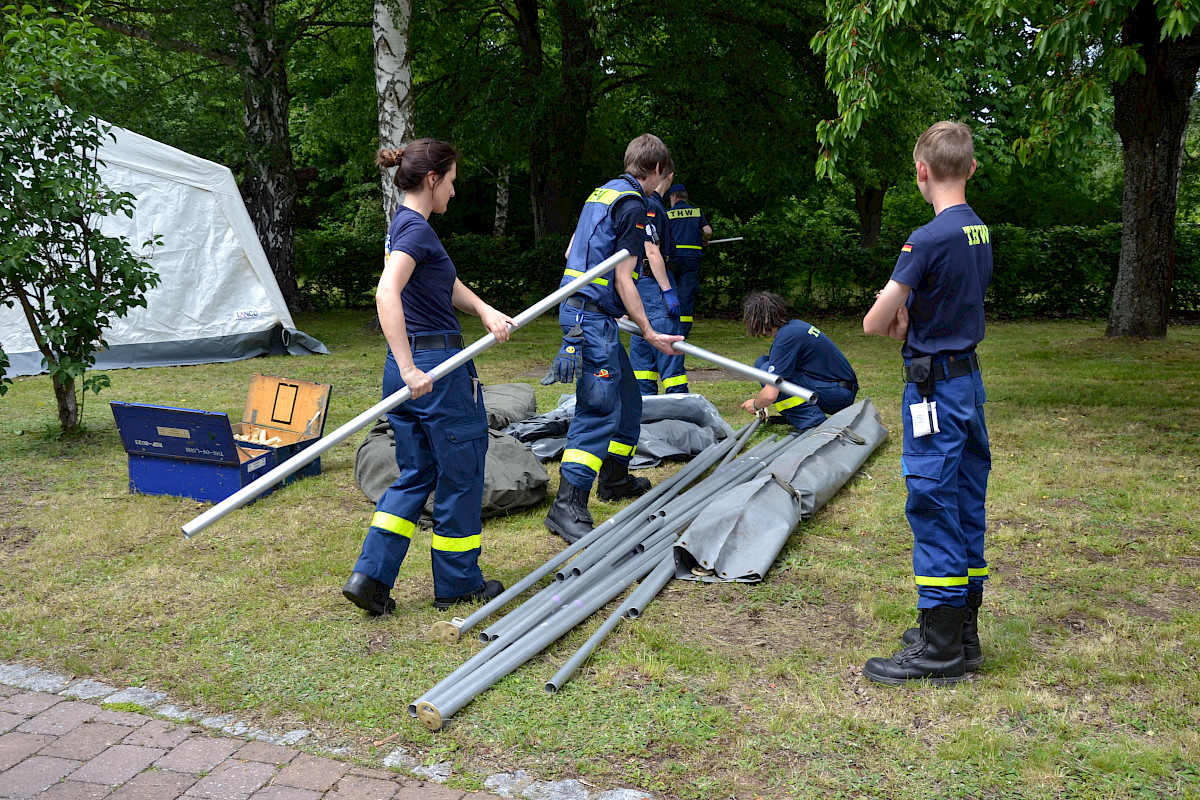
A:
x,y
574,273
685,318
790,402
583,458
645,375
606,197
923,580
393,524
977,572
618,449
688,247
449,544
678,380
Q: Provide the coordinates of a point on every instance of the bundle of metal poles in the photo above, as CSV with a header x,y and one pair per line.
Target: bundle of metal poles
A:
x,y
633,545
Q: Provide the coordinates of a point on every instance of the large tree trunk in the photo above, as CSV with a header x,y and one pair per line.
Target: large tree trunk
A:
x,y
869,202
1151,119
269,188
393,87
560,126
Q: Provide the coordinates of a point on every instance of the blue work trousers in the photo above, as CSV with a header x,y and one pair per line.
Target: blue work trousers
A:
x,y
651,365
686,272
947,474
608,406
441,444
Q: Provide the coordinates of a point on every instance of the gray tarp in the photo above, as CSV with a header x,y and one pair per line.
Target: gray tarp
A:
x,y
673,426
742,530
512,477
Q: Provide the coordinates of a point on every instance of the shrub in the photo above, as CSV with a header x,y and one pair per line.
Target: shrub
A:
x,y
338,266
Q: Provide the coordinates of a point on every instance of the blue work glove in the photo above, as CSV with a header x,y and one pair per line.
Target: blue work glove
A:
x,y
568,362
672,301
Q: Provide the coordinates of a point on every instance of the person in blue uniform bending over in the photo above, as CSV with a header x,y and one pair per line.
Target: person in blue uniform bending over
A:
x,y
657,290
934,305
604,432
441,432
690,233
802,355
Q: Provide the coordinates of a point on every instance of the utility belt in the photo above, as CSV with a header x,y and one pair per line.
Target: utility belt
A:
x,y
924,373
435,341
575,301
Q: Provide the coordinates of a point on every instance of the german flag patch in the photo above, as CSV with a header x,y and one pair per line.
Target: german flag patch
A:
x,y
641,226
907,248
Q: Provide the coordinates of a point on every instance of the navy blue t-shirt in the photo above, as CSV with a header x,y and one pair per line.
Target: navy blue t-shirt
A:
x,y
800,351
427,295
948,265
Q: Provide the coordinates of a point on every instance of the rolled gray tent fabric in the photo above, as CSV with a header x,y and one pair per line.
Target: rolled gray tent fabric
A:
x,y
673,426
740,533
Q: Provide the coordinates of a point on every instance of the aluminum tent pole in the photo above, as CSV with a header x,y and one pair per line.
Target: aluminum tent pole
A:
x,y
730,239
750,429
451,631
658,578
311,453
461,687
432,711
753,373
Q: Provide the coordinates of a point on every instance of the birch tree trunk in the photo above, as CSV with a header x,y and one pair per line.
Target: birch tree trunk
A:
x,y
501,223
393,86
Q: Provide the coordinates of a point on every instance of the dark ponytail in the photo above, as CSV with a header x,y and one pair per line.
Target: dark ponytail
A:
x,y
416,160
763,312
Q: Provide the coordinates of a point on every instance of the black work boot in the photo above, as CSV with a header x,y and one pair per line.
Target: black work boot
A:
x,y
972,647
615,481
937,655
569,516
369,594
489,590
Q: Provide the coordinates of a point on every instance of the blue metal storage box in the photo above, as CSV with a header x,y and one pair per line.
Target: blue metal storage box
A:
x,y
199,454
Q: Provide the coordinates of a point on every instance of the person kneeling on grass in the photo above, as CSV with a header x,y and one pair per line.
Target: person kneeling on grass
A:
x,y
802,355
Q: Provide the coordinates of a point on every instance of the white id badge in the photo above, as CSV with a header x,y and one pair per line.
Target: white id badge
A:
x,y
924,417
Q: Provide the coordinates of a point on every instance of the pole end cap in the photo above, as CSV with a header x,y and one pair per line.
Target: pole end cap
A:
x,y
444,632
429,716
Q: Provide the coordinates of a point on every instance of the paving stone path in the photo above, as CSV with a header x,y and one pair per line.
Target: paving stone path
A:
x,y
60,739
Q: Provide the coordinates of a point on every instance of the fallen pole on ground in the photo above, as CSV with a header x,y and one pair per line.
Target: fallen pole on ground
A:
x,y
314,451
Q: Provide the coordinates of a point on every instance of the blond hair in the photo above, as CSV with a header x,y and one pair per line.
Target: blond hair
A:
x,y
645,153
947,149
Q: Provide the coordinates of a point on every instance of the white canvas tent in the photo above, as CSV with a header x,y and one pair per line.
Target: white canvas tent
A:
x,y
217,299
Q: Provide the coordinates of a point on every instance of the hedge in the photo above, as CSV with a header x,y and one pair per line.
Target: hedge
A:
x,y
813,259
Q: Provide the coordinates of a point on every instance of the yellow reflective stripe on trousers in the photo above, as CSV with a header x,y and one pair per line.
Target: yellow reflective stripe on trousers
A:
x,y
449,544
618,449
790,402
977,572
685,319
688,247
574,273
923,580
583,458
393,524
678,380
645,375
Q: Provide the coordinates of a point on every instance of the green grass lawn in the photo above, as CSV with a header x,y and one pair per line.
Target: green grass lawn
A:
x,y
1090,624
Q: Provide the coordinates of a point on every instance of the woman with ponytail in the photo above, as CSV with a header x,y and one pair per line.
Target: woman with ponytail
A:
x,y
441,432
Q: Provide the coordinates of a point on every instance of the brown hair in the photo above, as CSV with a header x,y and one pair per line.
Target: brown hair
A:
x,y
763,312
416,160
645,153
947,150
